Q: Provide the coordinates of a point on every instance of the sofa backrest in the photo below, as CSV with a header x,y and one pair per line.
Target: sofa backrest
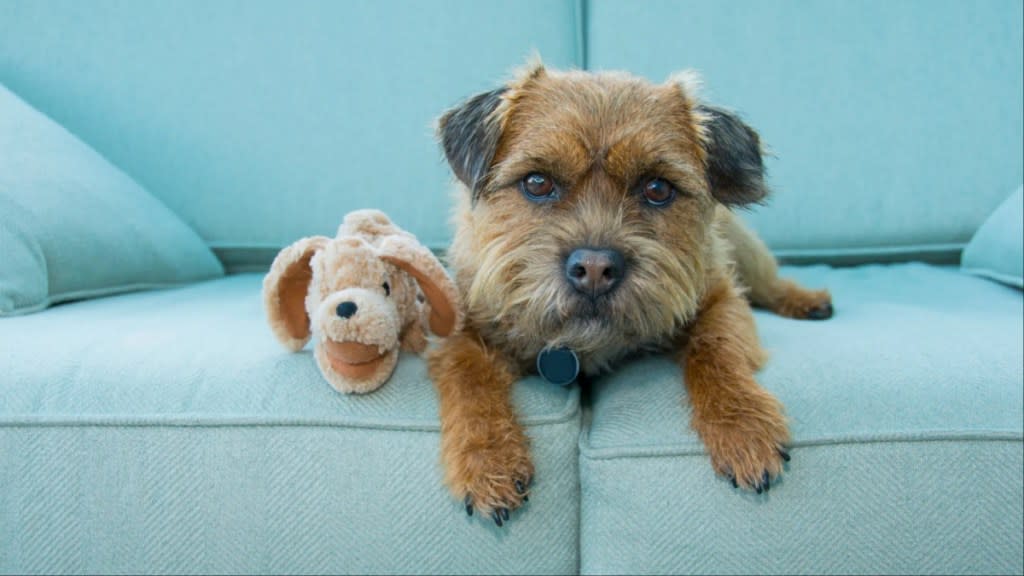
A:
x,y
262,121
896,126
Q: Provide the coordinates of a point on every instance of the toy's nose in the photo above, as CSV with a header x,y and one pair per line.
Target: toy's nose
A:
x,y
347,309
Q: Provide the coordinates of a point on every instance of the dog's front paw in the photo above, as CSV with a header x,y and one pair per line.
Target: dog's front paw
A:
x,y
803,304
493,478
749,451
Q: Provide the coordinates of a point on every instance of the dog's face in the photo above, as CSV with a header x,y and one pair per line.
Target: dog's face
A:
x,y
589,210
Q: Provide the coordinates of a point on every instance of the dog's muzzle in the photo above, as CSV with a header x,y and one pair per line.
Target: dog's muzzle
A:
x,y
595,272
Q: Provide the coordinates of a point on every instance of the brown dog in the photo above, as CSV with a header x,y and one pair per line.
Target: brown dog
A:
x,y
595,218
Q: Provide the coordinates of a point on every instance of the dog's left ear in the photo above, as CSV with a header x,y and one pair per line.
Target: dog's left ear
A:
x,y
469,134
735,170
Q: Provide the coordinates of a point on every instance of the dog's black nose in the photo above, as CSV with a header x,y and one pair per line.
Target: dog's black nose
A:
x,y
347,309
594,271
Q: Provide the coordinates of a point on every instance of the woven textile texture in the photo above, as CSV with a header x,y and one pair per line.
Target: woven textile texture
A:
x,y
906,413
168,432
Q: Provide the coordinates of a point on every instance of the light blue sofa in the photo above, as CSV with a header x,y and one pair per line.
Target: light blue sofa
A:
x,y
149,422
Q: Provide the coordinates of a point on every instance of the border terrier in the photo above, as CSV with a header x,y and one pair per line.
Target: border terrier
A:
x,y
593,217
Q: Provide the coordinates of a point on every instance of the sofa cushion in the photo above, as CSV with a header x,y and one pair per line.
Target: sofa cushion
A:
x,y
266,121
906,414
169,432
886,137
996,250
73,226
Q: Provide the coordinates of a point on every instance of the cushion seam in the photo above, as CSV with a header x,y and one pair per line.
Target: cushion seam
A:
x,y
569,412
1014,281
669,450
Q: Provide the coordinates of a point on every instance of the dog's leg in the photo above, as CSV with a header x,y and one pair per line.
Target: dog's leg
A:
x,y
485,451
759,272
741,424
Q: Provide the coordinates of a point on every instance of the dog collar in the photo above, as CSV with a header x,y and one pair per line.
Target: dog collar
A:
x,y
558,366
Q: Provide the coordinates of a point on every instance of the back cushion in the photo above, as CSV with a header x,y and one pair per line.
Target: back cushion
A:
x,y
263,121
896,126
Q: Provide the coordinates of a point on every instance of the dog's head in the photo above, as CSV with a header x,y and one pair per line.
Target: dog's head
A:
x,y
356,294
589,206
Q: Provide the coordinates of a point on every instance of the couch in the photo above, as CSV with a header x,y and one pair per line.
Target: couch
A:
x,y
154,156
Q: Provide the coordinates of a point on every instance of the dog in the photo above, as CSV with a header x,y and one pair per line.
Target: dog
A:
x,y
593,218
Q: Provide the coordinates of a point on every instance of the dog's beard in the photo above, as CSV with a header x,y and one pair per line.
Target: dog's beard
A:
x,y
520,288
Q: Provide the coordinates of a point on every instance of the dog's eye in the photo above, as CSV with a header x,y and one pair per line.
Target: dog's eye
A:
x,y
537,187
387,289
658,192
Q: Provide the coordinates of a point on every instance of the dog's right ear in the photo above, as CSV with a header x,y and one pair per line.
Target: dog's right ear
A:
x,y
469,135
285,288
734,166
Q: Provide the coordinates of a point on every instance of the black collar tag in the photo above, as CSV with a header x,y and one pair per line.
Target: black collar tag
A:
x,y
558,366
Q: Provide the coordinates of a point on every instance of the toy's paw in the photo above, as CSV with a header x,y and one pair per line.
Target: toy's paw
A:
x,y
749,451
492,480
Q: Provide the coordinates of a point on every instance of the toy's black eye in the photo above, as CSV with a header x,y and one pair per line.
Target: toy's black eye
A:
x,y
657,192
538,187
387,289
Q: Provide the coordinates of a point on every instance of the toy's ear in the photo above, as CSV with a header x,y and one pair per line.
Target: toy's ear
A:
x,y
285,288
735,170
421,264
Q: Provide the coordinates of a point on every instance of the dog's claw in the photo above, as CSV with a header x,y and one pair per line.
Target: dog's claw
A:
x,y
504,513
733,480
822,312
497,518
469,505
520,488
784,455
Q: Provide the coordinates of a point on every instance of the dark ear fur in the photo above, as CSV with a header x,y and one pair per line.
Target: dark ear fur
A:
x,y
469,135
735,169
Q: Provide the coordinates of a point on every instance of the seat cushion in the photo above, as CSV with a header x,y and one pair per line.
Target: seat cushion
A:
x,y
906,414
168,431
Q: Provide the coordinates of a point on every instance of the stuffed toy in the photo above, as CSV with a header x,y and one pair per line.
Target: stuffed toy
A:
x,y
362,296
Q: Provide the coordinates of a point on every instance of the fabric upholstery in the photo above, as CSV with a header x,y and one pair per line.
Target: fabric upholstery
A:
x,y
263,121
996,250
890,124
906,413
168,432
73,226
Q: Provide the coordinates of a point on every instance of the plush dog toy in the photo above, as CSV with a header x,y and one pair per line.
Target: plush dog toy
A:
x,y
363,295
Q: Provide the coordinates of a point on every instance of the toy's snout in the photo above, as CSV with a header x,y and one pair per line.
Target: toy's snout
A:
x,y
359,332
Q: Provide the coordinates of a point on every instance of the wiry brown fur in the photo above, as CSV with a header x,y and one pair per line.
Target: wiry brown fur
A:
x,y
596,136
